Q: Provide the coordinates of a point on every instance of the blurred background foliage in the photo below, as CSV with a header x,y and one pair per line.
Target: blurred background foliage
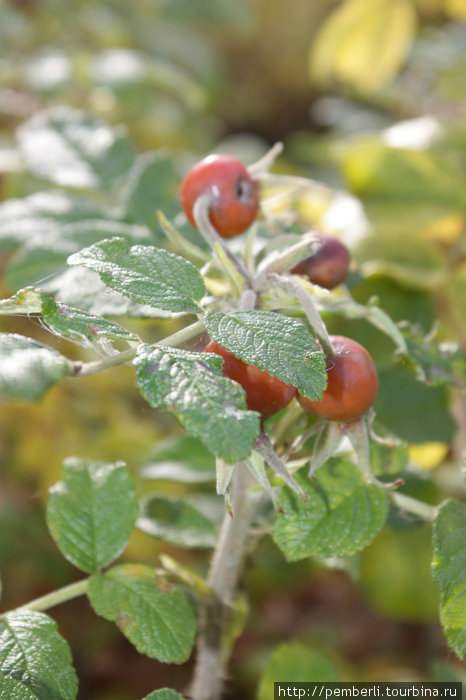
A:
x,y
368,96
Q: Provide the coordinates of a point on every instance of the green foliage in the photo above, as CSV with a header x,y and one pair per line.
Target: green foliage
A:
x,y
340,516
449,567
175,521
91,513
210,407
182,459
154,616
280,345
28,368
35,661
110,241
147,275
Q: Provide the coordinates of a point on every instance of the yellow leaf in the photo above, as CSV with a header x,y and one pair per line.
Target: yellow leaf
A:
x,y
428,454
456,8
364,42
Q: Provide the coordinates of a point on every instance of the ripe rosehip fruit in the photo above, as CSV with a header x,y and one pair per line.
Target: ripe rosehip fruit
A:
x,y
235,194
352,383
265,394
328,266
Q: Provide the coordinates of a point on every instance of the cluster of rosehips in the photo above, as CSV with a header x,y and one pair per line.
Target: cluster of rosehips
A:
x,y
352,382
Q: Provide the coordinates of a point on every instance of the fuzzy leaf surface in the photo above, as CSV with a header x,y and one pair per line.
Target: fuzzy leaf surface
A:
x,y
28,368
145,274
35,661
79,325
278,344
342,514
449,568
210,407
156,617
92,512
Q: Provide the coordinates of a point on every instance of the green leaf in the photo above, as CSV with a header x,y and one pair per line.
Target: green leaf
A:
x,y
35,661
74,149
298,663
413,411
449,568
25,301
181,458
152,186
435,362
211,407
156,617
278,344
176,521
46,255
83,289
79,325
92,512
41,214
164,694
341,516
28,368
145,274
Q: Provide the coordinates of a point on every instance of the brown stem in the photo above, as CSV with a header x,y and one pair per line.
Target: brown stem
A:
x,y
212,661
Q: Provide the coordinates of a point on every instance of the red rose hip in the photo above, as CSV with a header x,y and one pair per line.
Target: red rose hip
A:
x,y
265,394
352,383
328,266
235,194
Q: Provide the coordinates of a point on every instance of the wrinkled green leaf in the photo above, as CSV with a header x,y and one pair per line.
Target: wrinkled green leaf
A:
x,y
92,512
35,661
79,325
28,368
74,149
156,617
176,521
449,568
211,407
145,274
341,516
278,344
180,458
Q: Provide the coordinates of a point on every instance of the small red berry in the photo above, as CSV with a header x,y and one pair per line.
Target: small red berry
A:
x,y
352,383
235,194
265,394
328,266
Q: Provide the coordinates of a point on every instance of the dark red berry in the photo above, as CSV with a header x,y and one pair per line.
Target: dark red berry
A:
x,y
328,266
265,394
352,383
